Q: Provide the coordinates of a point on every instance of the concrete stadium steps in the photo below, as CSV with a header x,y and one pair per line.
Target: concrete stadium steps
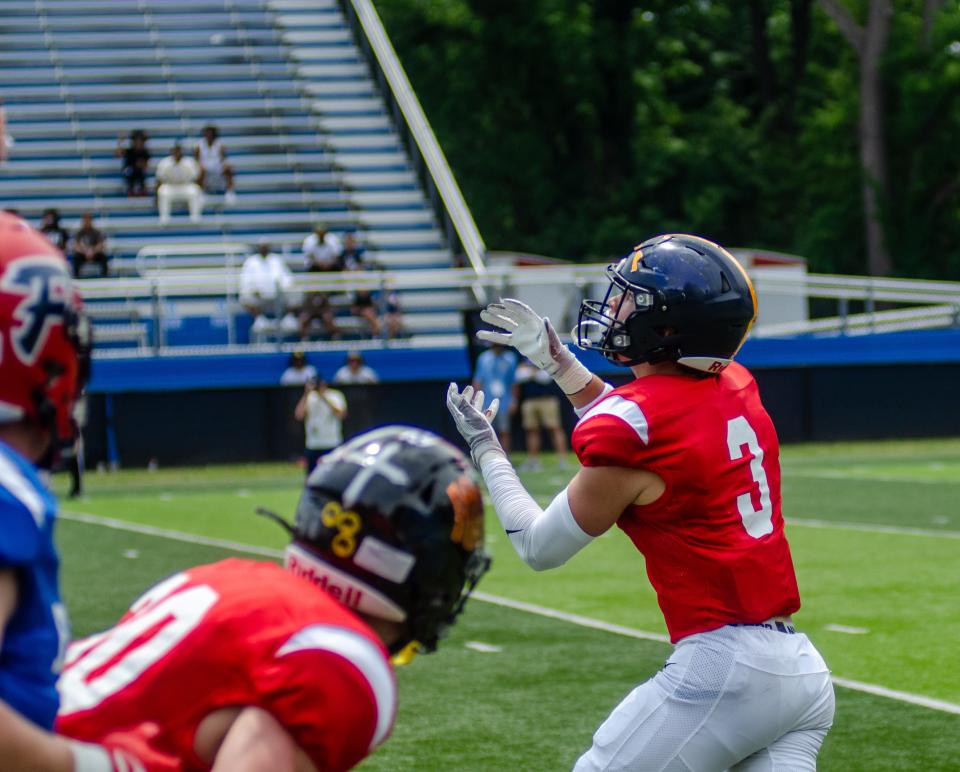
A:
x,y
115,207
103,56
85,126
82,92
110,185
319,161
49,74
105,146
303,122
197,108
108,35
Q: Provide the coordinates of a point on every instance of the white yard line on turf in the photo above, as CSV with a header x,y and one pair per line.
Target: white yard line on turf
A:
x,y
530,608
893,694
869,477
872,528
166,533
575,619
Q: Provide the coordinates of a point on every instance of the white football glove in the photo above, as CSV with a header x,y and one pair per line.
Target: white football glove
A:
x,y
534,337
473,422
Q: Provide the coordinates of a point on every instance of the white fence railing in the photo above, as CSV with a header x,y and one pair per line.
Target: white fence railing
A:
x,y
883,305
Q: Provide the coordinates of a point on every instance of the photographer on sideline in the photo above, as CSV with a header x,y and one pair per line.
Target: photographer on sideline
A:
x,y
322,410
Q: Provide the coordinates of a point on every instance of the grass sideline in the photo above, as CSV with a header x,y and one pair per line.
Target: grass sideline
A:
x,y
534,703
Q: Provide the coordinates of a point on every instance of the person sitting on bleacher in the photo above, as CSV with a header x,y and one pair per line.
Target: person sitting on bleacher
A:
x,y
177,177
6,138
136,161
89,248
322,250
266,285
51,228
215,170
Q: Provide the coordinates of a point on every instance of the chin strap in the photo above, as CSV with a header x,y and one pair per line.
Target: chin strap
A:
x,y
406,655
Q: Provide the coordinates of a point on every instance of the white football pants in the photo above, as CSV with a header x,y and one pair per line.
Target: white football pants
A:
x,y
742,698
167,193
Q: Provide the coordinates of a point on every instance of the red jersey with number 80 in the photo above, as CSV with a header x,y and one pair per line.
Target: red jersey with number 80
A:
x,y
714,544
227,634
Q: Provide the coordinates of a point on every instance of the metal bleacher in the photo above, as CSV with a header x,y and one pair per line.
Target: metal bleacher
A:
x,y
308,132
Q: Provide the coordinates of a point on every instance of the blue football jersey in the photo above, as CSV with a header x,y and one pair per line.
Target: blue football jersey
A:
x,y
36,634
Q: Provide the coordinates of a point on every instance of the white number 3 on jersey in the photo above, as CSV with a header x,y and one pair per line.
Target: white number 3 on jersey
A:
x,y
757,522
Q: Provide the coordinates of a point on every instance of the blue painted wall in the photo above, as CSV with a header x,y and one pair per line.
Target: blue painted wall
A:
x,y
182,373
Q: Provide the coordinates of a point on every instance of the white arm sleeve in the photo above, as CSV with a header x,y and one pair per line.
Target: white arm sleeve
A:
x,y
542,538
582,411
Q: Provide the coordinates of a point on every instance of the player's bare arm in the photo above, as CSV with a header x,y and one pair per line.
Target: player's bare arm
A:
x,y
249,739
22,745
8,597
598,495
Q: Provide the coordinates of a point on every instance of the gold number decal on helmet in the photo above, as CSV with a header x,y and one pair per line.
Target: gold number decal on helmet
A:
x,y
347,523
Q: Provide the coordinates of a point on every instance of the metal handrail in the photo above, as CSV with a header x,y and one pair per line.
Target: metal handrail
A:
x,y
426,142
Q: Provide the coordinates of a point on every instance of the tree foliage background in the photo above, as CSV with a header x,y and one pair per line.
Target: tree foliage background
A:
x,y
577,128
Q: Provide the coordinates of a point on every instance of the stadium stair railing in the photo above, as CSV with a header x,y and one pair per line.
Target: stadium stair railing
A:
x,y
80,72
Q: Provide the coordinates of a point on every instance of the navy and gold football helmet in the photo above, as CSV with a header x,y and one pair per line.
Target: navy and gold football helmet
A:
x,y
391,525
674,298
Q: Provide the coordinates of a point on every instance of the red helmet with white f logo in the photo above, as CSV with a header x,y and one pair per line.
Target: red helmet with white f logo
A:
x,y
44,337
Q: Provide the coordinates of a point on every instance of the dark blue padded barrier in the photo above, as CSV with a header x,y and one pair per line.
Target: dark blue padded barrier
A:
x,y
183,373
919,347
167,373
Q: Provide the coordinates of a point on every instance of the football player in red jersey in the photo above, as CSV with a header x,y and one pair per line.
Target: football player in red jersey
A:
x,y
685,460
247,665
44,356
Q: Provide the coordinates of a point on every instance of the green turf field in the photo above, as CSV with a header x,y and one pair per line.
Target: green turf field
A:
x,y
875,531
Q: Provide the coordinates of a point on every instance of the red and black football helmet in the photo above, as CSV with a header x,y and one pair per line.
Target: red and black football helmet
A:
x,y
44,336
693,304
391,524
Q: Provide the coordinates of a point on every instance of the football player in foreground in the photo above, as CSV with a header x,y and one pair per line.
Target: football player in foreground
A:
x,y
685,460
44,356
247,665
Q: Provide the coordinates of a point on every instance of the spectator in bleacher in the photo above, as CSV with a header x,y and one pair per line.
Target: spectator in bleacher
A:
x,y
215,170
266,285
317,308
177,177
6,138
364,307
89,248
355,371
51,228
322,250
392,313
136,161
352,254
299,371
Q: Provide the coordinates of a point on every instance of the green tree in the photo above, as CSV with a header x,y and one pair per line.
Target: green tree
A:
x,y
576,128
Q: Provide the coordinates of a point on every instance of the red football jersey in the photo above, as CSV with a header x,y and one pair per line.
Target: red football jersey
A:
x,y
233,633
713,542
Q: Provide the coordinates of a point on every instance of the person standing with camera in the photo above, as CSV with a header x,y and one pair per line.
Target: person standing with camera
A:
x,y
322,411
